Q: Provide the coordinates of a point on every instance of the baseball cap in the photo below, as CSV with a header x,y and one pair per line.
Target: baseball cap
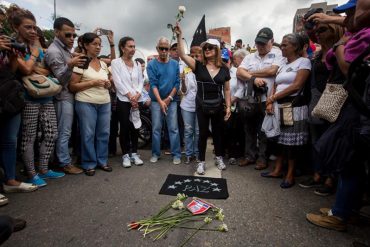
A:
x,y
342,8
173,45
211,42
264,35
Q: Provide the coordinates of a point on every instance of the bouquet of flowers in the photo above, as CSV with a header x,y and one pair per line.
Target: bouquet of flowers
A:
x,y
178,17
197,215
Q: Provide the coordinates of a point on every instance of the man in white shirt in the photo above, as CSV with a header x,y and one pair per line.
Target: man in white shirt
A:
x,y
261,68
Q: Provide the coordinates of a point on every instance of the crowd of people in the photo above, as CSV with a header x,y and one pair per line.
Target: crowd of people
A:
x,y
210,91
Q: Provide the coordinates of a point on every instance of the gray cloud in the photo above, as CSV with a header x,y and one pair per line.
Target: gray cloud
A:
x,y
146,20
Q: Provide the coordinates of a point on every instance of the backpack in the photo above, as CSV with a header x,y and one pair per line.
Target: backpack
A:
x,y
11,94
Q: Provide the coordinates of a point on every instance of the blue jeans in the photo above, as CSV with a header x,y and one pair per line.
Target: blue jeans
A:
x,y
64,110
191,133
94,121
173,131
9,127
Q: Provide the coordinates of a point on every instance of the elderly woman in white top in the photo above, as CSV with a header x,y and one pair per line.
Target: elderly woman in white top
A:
x,y
128,80
289,84
90,83
189,90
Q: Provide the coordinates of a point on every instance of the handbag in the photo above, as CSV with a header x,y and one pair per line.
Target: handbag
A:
x,y
249,105
11,94
330,102
39,86
271,123
286,114
211,103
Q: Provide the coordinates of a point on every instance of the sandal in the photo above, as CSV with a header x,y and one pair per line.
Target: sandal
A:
x,y
268,175
90,172
106,168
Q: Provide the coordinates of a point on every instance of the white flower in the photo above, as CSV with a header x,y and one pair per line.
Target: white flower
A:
x,y
219,216
207,220
223,228
182,9
181,197
178,205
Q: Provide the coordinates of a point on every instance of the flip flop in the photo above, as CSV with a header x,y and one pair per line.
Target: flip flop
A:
x,y
268,175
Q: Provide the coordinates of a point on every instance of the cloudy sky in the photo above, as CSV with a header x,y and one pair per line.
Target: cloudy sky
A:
x,y
146,20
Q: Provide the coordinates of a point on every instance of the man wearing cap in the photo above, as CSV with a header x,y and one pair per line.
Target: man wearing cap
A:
x,y
261,68
164,78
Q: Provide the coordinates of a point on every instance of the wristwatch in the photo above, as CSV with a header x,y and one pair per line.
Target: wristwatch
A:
x,y
171,98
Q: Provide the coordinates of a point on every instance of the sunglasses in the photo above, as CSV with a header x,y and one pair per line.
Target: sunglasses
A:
x,y
209,47
321,30
69,35
163,48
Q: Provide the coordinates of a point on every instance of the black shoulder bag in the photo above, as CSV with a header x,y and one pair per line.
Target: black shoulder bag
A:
x,y
211,100
249,105
11,94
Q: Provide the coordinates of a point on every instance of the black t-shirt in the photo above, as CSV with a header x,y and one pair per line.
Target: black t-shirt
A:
x,y
202,75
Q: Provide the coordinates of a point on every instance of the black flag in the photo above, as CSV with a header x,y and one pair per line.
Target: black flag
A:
x,y
200,34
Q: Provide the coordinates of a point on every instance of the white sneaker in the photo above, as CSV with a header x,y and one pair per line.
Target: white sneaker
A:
x,y
126,161
154,159
176,161
22,187
136,159
3,200
232,161
219,162
201,168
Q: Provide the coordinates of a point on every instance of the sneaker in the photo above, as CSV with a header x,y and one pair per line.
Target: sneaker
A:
x,y
187,160
136,159
36,180
219,162
176,161
154,159
3,200
325,190
327,221
309,183
22,187
126,161
51,175
71,169
201,168
232,161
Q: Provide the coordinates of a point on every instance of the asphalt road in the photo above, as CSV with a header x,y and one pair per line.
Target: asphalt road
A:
x,y
94,211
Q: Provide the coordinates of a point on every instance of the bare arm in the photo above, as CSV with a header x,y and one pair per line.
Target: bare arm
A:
x,y
326,19
243,74
297,85
180,49
266,72
227,100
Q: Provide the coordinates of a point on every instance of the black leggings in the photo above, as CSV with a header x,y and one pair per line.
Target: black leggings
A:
x,y
217,121
128,136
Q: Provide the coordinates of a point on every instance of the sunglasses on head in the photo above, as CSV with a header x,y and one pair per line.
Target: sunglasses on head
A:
x,y
163,48
209,47
69,35
321,30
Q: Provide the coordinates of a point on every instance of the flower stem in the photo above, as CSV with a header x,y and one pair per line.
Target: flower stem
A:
x,y
192,235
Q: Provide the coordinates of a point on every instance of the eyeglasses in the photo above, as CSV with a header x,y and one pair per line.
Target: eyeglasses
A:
x,y
209,47
321,30
163,48
69,35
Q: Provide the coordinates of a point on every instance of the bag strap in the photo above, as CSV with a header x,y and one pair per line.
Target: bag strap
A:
x,y
249,88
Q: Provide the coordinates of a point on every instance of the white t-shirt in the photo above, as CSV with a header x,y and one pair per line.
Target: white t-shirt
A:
x,y
253,62
288,72
188,101
233,81
94,95
126,80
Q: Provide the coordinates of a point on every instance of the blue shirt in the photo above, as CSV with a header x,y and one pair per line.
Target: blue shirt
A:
x,y
164,77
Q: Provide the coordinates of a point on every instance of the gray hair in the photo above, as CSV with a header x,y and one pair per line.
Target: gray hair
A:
x,y
295,41
240,53
163,39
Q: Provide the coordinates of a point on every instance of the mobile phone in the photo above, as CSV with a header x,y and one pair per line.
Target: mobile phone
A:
x,y
104,31
87,62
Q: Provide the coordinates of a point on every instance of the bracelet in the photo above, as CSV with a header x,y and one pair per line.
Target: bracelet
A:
x,y
33,56
171,98
253,78
111,45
